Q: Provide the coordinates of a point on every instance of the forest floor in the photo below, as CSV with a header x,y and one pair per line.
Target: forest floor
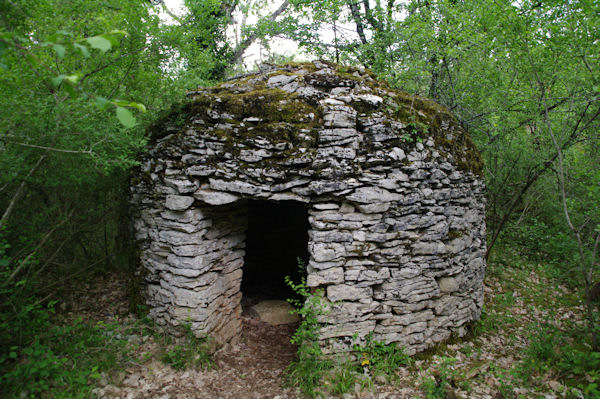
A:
x,y
506,354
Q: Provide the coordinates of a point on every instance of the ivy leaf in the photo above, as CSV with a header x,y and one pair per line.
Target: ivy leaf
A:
x,y
125,117
99,42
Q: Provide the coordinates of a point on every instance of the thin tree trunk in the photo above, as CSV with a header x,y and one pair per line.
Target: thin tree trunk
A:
x,y
585,271
19,192
533,178
238,52
360,29
24,262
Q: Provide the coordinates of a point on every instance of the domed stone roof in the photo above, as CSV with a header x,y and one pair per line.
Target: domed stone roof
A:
x,y
391,182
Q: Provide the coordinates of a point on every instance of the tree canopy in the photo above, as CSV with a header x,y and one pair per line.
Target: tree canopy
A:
x,y
82,80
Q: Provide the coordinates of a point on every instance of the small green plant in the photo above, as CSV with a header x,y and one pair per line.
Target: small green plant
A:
x,y
308,369
505,389
543,351
439,383
467,350
189,352
343,379
64,361
381,358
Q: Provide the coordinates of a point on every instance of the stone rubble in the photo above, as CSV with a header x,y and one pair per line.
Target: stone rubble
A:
x,y
392,184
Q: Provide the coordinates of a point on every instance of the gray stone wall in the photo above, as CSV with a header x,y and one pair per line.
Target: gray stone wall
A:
x,y
394,191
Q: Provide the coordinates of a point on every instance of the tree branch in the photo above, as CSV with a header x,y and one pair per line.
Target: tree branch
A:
x,y
41,147
40,245
170,14
238,52
19,192
360,29
375,24
102,67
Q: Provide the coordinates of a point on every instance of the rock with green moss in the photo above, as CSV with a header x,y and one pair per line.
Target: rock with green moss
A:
x,y
392,184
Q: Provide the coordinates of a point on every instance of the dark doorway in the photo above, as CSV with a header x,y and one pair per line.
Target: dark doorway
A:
x,y
277,236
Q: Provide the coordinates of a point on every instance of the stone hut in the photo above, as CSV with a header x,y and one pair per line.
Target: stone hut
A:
x,y
378,191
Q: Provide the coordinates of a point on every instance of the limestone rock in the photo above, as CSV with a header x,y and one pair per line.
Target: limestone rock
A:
x,y
215,197
448,284
396,232
178,202
344,292
275,312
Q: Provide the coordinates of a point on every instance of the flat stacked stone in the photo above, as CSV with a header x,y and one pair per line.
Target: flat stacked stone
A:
x,y
393,186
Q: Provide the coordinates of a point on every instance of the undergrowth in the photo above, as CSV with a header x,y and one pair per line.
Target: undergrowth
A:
x,y
558,348
318,375
439,383
64,361
307,370
45,354
186,352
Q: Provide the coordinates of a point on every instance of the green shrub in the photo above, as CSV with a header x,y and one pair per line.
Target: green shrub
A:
x,y
565,354
64,361
308,369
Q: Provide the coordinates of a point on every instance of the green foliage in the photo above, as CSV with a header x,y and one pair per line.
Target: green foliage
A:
x,y
33,53
188,352
64,163
309,367
554,350
380,358
43,355
64,360
439,382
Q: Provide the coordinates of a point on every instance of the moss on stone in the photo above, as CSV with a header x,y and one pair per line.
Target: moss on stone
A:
x,y
453,234
283,116
169,121
270,105
430,119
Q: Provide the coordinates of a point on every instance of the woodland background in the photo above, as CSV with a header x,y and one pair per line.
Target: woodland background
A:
x,y
81,81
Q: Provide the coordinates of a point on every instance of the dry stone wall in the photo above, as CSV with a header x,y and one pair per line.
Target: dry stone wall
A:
x,y
393,187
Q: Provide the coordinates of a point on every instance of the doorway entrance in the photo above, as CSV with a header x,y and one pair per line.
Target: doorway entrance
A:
x,y
276,237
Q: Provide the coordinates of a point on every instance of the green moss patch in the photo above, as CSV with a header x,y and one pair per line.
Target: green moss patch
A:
x,y
280,116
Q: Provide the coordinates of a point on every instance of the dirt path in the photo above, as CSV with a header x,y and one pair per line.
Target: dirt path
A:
x,y
252,368
478,367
